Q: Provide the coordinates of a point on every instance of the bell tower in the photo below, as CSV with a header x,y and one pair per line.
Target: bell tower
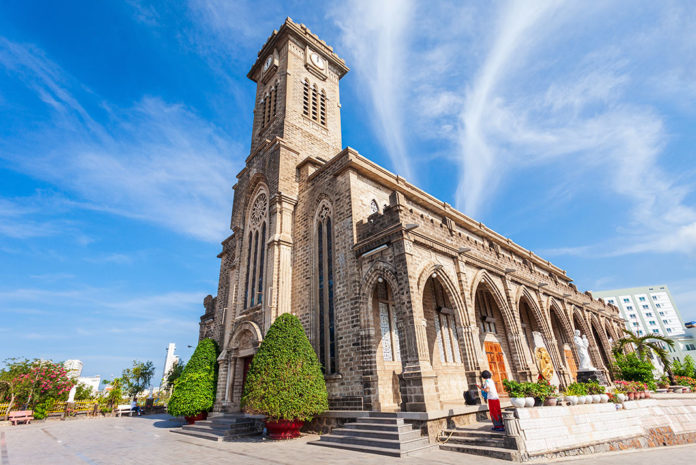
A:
x,y
297,95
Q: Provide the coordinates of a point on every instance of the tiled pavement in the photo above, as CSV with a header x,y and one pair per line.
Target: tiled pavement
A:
x,y
147,440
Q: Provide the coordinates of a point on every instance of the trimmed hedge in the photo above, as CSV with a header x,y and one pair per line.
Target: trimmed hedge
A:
x,y
285,381
194,391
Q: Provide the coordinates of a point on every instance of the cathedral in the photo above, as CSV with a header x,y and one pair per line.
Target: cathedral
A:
x,y
405,299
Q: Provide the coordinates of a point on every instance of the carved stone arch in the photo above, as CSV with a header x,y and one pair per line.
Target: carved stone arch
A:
x,y
448,283
565,331
554,306
482,277
523,292
256,181
381,389
259,187
323,209
245,339
603,343
586,329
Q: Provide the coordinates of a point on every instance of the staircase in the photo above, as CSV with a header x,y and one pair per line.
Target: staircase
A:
x,y
478,439
377,433
225,427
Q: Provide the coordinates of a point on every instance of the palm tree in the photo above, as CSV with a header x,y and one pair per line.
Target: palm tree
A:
x,y
644,345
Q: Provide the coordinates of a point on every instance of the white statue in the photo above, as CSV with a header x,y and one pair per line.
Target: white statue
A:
x,y
582,344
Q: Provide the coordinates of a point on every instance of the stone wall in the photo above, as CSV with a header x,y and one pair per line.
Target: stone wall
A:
x,y
551,432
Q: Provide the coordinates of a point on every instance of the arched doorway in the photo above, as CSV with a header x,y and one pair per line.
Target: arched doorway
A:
x,y
533,332
493,335
602,344
388,347
593,350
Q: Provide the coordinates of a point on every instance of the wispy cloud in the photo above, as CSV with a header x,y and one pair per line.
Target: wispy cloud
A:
x,y
155,161
375,36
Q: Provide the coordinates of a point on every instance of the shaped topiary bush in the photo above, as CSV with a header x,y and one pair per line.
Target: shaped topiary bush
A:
x,y
194,391
285,381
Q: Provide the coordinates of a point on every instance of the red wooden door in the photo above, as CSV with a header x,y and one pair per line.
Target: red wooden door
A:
x,y
571,363
496,363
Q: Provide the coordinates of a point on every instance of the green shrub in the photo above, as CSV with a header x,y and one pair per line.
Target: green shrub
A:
x,y
631,368
285,381
684,369
593,388
194,391
39,412
513,388
576,389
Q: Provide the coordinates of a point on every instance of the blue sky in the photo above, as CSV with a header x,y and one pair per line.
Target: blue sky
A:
x,y
565,126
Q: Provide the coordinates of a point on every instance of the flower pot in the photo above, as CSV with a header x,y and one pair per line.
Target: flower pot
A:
x,y
529,401
581,400
588,399
596,399
621,396
550,402
572,400
517,402
284,429
647,394
603,398
631,396
190,420
641,395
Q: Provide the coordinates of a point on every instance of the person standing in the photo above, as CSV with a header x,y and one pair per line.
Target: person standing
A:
x,y
490,393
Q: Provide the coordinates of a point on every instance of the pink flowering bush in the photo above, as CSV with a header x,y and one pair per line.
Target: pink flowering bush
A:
x,y
31,382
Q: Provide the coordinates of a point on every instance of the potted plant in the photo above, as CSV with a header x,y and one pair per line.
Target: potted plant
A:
x,y
194,391
514,390
546,393
529,391
596,390
285,381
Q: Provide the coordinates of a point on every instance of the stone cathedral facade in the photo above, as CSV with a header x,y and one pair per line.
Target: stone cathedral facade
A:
x,y
405,299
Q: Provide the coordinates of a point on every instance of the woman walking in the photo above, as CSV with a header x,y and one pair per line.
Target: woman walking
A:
x,y
490,393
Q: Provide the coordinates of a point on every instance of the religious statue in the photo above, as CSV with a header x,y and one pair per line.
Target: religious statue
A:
x,y
582,345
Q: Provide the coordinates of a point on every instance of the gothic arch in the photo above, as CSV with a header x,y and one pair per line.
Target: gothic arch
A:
x,y
483,278
603,343
523,293
586,329
448,283
256,182
247,335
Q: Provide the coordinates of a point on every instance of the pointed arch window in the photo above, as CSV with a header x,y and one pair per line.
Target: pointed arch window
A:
x,y
256,251
445,328
383,300
325,291
305,98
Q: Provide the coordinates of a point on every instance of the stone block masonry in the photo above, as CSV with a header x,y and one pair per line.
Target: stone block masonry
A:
x,y
551,432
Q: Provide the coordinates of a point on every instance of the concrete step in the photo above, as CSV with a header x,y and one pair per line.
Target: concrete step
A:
x,y
477,441
383,415
380,420
395,435
395,444
486,451
199,434
378,427
204,429
374,450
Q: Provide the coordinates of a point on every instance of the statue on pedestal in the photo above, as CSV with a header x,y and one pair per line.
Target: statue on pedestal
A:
x,y
582,345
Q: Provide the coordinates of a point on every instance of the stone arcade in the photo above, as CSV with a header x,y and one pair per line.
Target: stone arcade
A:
x,y
405,299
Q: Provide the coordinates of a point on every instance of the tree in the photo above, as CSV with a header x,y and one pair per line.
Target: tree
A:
x,y
684,369
83,392
644,345
137,378
194,390
174,374
115,392
285,381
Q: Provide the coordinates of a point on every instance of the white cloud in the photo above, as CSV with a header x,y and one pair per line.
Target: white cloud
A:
x,y
157,162
375,37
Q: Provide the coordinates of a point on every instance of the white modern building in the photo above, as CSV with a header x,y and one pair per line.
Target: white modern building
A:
x,y
169,362
652,310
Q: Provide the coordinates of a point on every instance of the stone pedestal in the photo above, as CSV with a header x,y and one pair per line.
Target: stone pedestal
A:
x,y
592,375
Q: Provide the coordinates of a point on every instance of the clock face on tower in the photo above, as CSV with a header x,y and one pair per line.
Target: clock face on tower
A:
x,y
317,60
268,62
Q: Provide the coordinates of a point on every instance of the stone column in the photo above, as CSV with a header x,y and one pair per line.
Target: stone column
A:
x,y
419,379
469,331
278,282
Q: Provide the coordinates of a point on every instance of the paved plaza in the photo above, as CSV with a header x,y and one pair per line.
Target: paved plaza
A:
x,y
148,440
